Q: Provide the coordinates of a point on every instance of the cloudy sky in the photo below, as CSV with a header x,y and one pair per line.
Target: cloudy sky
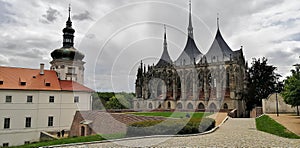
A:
x,y
115,35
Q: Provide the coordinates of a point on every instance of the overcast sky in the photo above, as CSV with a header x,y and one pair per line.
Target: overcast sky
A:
x,y
115,35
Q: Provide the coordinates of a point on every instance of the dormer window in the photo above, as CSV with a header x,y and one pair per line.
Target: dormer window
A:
x,y
47,84
23,83
71,70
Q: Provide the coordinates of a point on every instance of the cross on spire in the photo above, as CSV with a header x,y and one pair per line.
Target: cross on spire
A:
x,y
190,28
165,37
218,20
68,37
69,10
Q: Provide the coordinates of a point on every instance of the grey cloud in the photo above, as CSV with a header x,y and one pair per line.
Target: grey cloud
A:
x,y
281,57
50,16
90,36
295,37
5,13
82,16
297,50
3,59
32,53
291,37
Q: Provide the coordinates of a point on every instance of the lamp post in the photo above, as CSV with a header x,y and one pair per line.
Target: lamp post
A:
x,y
276,99
276,91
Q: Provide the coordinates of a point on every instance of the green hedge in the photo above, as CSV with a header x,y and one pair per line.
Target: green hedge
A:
x,y
170,127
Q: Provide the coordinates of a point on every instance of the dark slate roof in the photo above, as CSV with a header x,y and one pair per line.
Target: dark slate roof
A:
x,y
219,50
165,60
189,54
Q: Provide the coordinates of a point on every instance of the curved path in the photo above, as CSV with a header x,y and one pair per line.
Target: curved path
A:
x,y
233,133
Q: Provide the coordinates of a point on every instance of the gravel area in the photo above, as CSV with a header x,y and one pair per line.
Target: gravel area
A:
x,y
234,133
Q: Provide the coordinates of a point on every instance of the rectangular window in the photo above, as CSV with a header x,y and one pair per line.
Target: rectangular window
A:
x,y
8,99
47,84
27,142
76,99
50,121
71,70
28,122
23,83
29,99
6,123
51,99
1,82
5,145
215,82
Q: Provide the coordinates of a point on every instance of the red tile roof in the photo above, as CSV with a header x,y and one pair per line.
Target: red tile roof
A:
x,y
67,85
12,78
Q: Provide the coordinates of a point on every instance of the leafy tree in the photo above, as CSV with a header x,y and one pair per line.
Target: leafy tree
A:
x,y
291,89
114,103
111,100
261,82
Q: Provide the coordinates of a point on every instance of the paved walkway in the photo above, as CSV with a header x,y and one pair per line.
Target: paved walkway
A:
x,y
234,133
291,122
218,117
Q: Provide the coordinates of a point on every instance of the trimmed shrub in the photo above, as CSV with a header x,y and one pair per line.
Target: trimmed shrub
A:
x,y
170,127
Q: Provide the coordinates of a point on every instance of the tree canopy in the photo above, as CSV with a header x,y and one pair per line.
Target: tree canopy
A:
x,y
261,82
291,89
111,100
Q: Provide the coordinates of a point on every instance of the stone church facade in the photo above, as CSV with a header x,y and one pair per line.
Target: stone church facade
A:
x,y
194,81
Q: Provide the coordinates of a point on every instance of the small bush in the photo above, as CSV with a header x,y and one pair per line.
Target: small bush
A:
x,y
170,127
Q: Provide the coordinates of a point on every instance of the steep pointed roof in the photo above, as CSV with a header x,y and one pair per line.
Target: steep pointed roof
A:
x,y
190,53
165,59
219,50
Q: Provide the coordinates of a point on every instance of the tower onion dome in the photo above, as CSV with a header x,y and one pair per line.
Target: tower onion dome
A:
x,y
68,52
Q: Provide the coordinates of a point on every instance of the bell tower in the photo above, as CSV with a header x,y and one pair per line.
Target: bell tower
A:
x,y
67,60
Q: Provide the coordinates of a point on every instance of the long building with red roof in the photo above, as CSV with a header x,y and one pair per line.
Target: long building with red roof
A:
x,y
34,102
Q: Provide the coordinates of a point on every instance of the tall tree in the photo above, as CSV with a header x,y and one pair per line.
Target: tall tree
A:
x,y
291,89
261,82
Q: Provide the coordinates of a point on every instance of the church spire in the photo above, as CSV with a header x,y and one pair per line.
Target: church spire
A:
x,y
218,21
165,59
68,37
190,28
165,39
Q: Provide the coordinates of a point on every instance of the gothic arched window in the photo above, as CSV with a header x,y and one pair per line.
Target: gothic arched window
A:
x,y
190,106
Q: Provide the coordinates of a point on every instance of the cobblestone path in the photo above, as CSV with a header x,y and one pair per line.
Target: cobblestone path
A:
x,y
234,133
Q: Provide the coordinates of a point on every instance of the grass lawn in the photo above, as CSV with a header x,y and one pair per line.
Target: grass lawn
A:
x,y
267,124
73,140
172,114
63,141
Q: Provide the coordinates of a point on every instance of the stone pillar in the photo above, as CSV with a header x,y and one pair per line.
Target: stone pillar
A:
x,y
174,88
195,86
183,87
205,86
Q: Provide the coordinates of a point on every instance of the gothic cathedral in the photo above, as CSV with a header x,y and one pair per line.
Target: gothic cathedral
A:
x,y
204,82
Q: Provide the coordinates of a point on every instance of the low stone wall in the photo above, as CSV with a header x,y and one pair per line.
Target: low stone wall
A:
x,y
257,111
269,105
